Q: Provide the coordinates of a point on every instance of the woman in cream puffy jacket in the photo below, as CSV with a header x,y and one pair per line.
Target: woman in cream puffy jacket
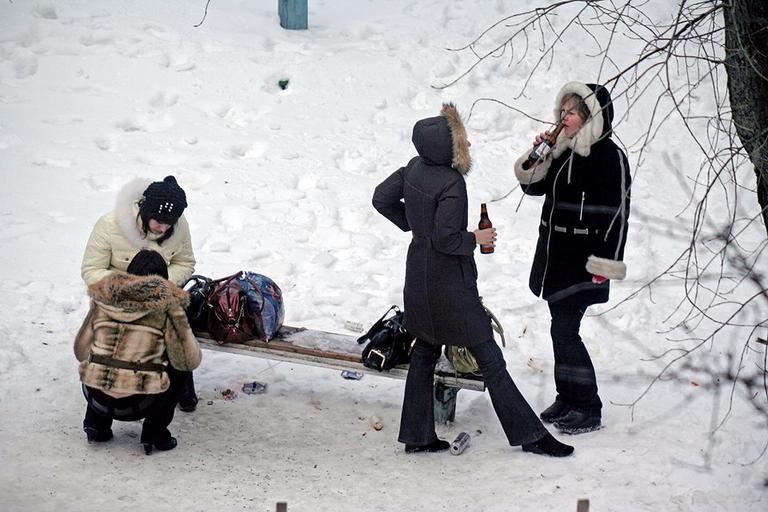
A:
x,y
147,216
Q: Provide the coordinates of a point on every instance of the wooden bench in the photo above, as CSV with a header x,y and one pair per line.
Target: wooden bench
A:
x,y
342,352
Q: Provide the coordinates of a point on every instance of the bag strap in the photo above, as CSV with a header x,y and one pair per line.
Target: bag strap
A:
x,y
217,285
377,324
197,278
245,278
222,280
496,325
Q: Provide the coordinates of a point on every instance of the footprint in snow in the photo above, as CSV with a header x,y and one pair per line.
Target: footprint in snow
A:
x,y
245,150
25,66
146,123
47,12
103,182
445,69
354,162
177,62
97,38
105,144
163,159
218,246
53,162
60,217
324,259
160,32
164,99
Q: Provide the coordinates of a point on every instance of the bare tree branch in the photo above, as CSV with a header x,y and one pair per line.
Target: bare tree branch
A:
x,y
702,45
204,14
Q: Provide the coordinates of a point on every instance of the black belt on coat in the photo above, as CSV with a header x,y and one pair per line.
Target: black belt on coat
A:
x,y
127,365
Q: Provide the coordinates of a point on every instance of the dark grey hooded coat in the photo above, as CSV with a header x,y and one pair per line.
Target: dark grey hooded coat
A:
x,y
429,198
584,221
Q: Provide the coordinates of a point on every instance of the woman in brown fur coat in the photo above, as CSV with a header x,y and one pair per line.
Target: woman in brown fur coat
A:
x,y
135,336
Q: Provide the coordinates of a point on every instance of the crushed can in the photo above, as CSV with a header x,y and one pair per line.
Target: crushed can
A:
x,y
351,374
460,444
255,388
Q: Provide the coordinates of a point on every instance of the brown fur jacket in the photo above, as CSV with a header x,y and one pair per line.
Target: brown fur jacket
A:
x,y
135,319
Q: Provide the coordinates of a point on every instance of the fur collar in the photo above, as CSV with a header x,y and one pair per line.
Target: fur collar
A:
x,y
132,293
126,209
462,161
592,129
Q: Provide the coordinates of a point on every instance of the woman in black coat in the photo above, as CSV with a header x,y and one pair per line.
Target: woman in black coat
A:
x,y
582,231
429,198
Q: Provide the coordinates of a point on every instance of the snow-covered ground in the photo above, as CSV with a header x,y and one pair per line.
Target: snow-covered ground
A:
x,y
93,94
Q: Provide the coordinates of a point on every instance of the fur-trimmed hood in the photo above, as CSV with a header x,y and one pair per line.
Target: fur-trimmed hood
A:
x,y
442,140
127,208
597,127
138,294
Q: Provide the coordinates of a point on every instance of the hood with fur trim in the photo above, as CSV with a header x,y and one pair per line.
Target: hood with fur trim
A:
x,y
597,127
442,140
138,294
126,210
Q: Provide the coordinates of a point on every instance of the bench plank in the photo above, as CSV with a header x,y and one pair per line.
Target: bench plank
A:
x,y
329,350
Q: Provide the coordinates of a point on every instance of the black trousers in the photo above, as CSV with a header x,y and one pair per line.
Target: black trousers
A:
x,y
186,386
575,379
156,410
417,423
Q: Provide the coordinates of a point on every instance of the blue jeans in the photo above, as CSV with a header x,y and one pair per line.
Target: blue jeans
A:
x,y
417,423
575,379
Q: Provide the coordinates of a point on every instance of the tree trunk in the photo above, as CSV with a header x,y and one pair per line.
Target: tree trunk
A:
x,y
746,46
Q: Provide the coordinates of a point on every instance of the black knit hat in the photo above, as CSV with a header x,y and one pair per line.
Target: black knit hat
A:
x,y
147,263
164,201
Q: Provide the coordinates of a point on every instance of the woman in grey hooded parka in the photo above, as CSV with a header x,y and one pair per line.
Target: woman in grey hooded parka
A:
x,y
429,198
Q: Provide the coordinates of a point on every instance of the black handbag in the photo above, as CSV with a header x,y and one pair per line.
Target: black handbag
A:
x,y
389,344
199,288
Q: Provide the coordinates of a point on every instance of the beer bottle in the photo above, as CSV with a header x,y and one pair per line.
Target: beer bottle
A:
x,y
542,148
485,223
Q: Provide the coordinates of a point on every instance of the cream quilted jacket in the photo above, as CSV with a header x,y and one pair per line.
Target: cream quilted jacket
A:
x,y
117,237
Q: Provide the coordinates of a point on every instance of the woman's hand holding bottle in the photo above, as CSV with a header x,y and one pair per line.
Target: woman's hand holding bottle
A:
x,y
485,236
542,136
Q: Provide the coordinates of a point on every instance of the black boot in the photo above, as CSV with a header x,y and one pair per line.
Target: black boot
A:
x,y
438,445
188,403
164,446
578,422
555,412
548,445
94,435
187,396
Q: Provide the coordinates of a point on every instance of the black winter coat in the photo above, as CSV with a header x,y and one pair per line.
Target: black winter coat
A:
x,y
584,220
441,302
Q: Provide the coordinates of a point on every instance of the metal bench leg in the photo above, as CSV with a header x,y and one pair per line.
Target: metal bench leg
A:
x,y
445,403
